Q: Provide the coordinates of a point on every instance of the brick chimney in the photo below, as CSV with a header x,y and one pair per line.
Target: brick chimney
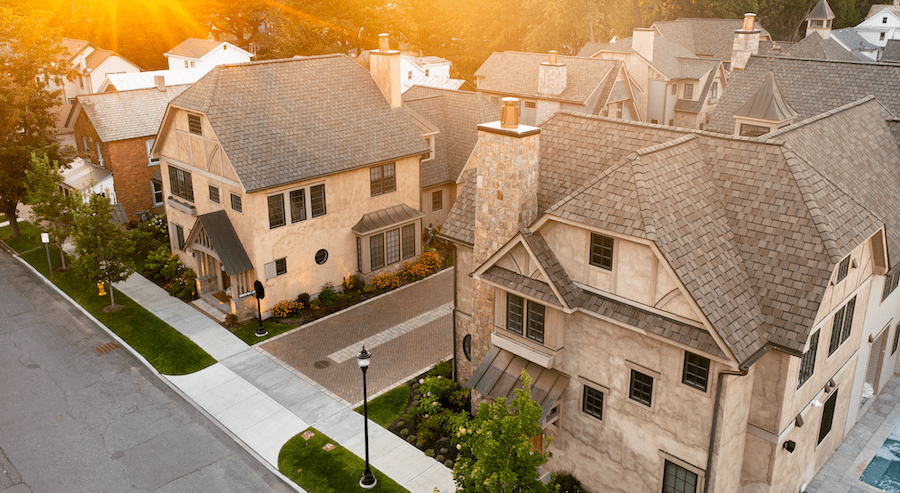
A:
x,y
746,43
160,81
506,186
642,42
552,76
384,65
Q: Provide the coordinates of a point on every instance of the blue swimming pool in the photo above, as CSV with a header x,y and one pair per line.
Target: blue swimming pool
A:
x,y
884,470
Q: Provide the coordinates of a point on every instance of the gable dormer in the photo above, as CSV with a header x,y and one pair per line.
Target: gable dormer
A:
x,y
765,112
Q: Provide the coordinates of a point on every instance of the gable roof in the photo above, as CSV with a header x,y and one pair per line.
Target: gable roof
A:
x,y
126,114
767,103
811,47
853,40
145,80
811,87
224,239
669,58
457,115
877,8
74,46
712,38
516,73
198,48
284,121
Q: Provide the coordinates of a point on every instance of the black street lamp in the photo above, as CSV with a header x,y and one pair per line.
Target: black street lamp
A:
x,y
260,294
368,480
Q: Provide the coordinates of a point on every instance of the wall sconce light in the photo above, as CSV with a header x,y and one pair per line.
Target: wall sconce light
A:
x,y
816,403
789,445
798,421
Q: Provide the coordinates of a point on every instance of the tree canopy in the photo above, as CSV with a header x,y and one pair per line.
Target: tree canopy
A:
x,y
102,248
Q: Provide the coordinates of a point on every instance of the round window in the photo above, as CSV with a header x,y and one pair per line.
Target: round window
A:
x,y
467,346
321,256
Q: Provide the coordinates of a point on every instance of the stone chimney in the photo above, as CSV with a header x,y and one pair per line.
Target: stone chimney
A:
x,y
160,81
746,43
384,65
552,76
642,42
506,184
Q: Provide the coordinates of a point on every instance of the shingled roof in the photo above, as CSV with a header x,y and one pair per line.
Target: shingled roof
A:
x,y
713,38
891,52
767,103
457,114
878,7
811,87
127,114
194,48
670,58
285,121
821,11
811,47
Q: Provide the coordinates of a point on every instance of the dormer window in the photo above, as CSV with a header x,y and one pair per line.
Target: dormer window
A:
x,y
426,72
688,91
843,268
529,323
430,141
601,251
409,76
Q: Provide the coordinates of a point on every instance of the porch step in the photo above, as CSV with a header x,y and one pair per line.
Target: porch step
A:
x,y
210,310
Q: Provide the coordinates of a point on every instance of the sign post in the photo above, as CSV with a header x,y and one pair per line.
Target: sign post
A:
x,y
45,239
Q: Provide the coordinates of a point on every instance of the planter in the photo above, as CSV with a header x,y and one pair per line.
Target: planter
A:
x,y
187,209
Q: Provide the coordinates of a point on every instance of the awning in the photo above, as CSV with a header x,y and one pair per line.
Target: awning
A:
x,y
499,374
390,216
224,241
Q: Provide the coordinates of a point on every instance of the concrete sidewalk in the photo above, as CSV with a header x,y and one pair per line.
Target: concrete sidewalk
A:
x,y
264,402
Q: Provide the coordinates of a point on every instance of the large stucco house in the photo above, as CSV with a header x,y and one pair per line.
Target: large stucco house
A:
x,y
292,172
690,305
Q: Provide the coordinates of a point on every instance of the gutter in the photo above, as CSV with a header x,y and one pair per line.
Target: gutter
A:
x,y
455,374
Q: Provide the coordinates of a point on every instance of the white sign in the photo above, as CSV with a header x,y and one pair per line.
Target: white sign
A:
x,y
45,237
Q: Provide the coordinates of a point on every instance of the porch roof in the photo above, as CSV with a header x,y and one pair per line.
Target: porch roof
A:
x,y
224,241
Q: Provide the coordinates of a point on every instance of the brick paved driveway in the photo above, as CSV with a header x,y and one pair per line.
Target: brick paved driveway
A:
x,y
410,328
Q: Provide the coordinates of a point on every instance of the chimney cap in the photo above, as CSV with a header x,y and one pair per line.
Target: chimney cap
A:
x,y
384,42
509,113
749,22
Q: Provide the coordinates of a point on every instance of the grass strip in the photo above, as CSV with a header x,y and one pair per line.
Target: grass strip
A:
x,y
319,471
247,332
387,407
168,350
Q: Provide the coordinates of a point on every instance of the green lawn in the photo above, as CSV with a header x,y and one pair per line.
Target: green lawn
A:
x,y
169,351
247,332
318,471
387,407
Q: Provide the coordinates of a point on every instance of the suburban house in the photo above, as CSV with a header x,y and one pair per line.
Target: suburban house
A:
x,y
429,71
116,131
295,183
547,84
455,116
706,38
92,66
205,54
688,304
674,86
881,24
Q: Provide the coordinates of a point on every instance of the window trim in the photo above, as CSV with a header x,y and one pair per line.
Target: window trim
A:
x,y
584,401
843,269
830,402
655,375
154,191
379,186
312,205
701,474
438,204
841,325
218,199
688,92
182,187
192,128
714,90
150,161
364,245
612,254
274,221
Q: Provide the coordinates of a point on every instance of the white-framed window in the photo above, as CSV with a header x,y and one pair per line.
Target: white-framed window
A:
x,y
192,63
156,190
84,144
426,72
289,207
714,90
185,64
150,160
430,141
99,155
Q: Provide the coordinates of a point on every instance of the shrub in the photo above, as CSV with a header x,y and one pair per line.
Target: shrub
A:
x,y
286,308
444,451
183,284
429,452
303,299
404,432
449,463
430,261
327,295
386,280
231,319
353,283
411,439
161,263
315,305
567,483
401,424
440,458
443,369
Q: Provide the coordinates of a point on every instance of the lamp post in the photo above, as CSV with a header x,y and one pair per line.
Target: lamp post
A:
x,y
368,480
260,294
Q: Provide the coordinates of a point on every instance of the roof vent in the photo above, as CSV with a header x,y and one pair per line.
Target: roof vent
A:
x,y
509,114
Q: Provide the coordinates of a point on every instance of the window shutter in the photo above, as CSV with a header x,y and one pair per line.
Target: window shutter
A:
x,y
270,270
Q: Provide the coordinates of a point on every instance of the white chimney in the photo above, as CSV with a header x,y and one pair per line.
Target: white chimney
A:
x,y
642,42
552,76
160,81
384,65
746,42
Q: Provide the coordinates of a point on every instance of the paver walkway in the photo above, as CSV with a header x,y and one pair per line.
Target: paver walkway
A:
x,y
842,471
264,402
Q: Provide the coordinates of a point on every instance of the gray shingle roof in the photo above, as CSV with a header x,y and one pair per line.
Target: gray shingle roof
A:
x,y
194,47
558,276
821,11
877,8
457,115
767,103
853,40
383,218
128,114
460,224
811,87
811,47
285,121
712,38
891,52
224,240
670,58
516,74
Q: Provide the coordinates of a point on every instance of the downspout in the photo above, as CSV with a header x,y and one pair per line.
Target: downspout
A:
x,y
453,314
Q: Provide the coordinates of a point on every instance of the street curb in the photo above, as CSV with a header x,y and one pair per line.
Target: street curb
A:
x,y
159,375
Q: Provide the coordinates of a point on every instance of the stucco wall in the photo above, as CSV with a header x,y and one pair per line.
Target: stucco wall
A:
x,y
437,217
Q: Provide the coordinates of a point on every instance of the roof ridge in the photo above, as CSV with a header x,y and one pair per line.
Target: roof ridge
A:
x,y
821,116
854,62
665,145
643,195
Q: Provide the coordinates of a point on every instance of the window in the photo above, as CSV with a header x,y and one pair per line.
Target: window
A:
x,y
671,122
409,75
841,326
896,339
156,190
467,346
179,236
714,90
827,416
677,479
298,206
99,154
890,284
192,63
437,200
674,88
516,321
881,36
358,254
181,184
592,402
747,130
392,246
530,105
71,100
409,241
601,251
321,256
150,160
81,81
641,388
884,20
696,371
535,330
236,203
688,91
389,247
515,313
426,72
214,194
619,107
495,100
376,251
654,121
185,64
317,197
430,141
276,211
382,179
808,361
194,124
276,268
843,267
84,144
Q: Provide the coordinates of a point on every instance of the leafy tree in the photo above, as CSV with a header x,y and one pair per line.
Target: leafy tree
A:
x,y
30,52
495,453
103,248
51,209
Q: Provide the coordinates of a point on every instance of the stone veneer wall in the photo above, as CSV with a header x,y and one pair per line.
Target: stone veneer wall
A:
x,y
551,79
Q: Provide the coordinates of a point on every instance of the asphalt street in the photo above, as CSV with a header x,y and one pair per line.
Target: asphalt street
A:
x,y
74,420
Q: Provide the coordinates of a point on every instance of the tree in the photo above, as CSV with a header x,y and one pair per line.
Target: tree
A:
x,y
51,209
103,249
30,55
495,453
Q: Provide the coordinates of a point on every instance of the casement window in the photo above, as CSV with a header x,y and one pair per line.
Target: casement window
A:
x,y
714,90
896,339
409,241
376,251
236,203
843,268
298,205
359,254
515,313
601,251
156,191
194,124
426,72
392,246
317,200
192,64
696,371
181,184
276,210
619,108
841,326
688,91
437,200
592,402
389,247
677,479
641,388
827,416
179,236
808,361
890,284
382,179
99,155
214,194
276,268
409,75
525,318
150,160
884,20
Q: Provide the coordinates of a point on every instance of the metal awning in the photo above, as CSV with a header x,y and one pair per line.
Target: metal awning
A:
x,y
383,218
499,374
224,241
